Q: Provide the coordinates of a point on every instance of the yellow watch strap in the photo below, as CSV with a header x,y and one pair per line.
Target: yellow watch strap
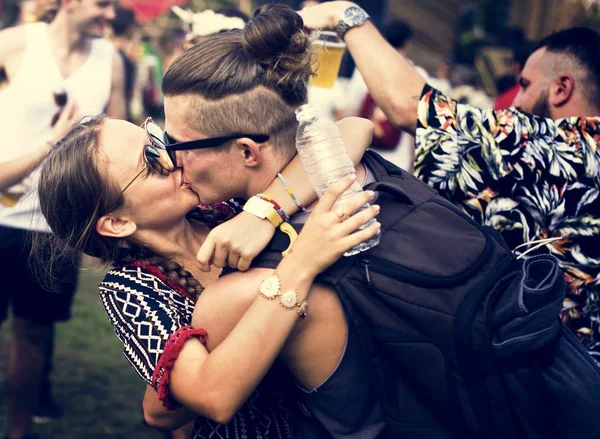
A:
x,y
289,230
273,216
263,210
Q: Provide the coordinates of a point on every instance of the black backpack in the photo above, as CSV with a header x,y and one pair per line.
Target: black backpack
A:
x,y
463,338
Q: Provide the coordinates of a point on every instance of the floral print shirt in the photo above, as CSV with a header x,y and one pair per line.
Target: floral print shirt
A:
x,y
528,177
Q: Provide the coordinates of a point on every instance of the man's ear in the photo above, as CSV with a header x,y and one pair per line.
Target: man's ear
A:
x,y
250,151
115,227
561,90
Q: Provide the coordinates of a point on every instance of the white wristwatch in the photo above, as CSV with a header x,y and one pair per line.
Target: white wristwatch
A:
x,y
263,210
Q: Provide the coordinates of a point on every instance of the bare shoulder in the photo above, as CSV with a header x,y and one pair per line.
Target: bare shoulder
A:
x,y
324,295
324,306
12,45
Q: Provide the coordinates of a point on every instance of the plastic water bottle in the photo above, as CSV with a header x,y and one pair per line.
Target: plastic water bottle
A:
x,y
326,160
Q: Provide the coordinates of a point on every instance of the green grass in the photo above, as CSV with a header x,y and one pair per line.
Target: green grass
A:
x,y
99,391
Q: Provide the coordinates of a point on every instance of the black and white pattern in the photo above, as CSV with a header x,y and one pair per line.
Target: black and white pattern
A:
x,y
144,312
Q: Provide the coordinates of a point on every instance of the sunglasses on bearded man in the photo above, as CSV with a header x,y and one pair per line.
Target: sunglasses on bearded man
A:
x,y
159,155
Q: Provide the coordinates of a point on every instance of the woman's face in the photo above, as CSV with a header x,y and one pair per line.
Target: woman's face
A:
x,y
153,201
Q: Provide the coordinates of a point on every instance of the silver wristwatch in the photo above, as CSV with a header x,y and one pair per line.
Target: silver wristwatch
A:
x,y
353,16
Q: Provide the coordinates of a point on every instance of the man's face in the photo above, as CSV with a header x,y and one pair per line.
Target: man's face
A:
x,y
215,174
92,17
535,85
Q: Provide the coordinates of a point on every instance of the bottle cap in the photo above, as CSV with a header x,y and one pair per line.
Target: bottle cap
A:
x,y
306,112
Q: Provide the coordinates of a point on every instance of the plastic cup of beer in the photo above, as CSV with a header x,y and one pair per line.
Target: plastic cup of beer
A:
x,y
330,49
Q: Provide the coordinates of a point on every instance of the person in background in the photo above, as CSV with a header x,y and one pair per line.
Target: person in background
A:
x,y
441,79
171,44
14,171
386,135
467,88
507,97
147,101
155,61
79,68
531,172
125,37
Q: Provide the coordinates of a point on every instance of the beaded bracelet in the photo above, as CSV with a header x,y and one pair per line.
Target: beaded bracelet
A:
x,y
284,216
291,193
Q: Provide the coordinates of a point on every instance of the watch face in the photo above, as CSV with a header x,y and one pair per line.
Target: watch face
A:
x,y
355,16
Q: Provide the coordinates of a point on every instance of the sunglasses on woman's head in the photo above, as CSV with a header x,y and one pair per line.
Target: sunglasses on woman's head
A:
x,y
156,158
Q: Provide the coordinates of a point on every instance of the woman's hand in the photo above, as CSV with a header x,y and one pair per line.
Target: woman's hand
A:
x,y
235,243
330,232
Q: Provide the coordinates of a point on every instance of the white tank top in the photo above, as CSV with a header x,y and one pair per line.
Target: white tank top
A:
x,y
27,107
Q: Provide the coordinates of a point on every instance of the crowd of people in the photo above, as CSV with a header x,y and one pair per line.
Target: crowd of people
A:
x,y
231,338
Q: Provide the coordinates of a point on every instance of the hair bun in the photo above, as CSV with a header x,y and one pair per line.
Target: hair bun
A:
x,y
275,37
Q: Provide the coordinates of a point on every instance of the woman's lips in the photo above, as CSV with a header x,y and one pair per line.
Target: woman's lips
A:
x,y
184,181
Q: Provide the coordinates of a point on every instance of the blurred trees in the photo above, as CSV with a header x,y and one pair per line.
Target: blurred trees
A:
x,y
481,23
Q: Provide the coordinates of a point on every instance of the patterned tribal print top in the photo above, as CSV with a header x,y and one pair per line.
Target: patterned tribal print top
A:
x,y
151,316
528,177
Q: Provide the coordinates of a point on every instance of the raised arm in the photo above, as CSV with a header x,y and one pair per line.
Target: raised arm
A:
x,y
392,81
237,242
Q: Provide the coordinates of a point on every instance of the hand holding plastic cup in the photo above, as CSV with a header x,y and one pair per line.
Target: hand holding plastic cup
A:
x,y
330,50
